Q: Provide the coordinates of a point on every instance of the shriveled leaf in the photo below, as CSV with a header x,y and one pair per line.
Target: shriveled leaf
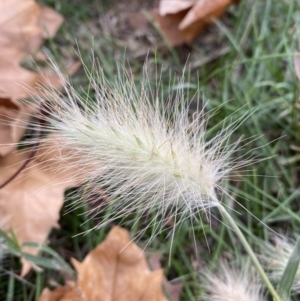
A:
x,y
172,290
174,6
18,83
297,66
12,114
181,21
200,15
168,24
115,270
49,22
69,292
30,204
23,25
18,25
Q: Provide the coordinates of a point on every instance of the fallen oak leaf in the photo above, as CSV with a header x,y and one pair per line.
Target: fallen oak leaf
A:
x,y
17,83
173,290
201,15
68,292
297,66
48,22
23,25
115,270
181,21
12,114
37,192
174,6
169,25
18,24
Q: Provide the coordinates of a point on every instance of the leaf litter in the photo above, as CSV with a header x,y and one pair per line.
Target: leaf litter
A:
x,y
115,270
36,188
23,27
37,194
30,204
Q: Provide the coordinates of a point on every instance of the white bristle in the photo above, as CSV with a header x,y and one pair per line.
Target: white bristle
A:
x,y
145,152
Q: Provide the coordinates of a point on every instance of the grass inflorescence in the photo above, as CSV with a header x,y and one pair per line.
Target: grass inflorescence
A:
x,y
253,77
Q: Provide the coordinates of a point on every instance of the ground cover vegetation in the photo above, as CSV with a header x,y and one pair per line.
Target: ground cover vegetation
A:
x,y
244,69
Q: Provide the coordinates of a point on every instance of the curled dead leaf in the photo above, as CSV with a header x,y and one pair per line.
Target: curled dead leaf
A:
x,y
181,21
23,25
37,193
297,66
12,114
174,6
18,83
15,83
115,270
169,25
173,290
49,21
201,15
69,292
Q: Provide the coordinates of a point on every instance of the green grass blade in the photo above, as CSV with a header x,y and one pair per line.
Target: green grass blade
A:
x,y
42,262
10,243
56,263
286,282
11,286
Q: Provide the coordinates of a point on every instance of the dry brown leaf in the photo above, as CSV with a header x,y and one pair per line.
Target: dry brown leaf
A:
x,y
19,83
169,26
30,204
48,22
69,292
16,83
181,21
115,270
173,290
12,114
18,25
201,15
23,25
174,6
297,66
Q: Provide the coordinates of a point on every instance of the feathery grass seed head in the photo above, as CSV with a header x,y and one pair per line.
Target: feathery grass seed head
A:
x,y
275,258
144,152
230,284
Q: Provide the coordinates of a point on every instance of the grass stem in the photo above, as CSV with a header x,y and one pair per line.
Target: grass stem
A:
x,y
250,252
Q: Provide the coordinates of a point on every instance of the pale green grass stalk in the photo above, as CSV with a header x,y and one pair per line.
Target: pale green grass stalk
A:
x,y
250,252
276,257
